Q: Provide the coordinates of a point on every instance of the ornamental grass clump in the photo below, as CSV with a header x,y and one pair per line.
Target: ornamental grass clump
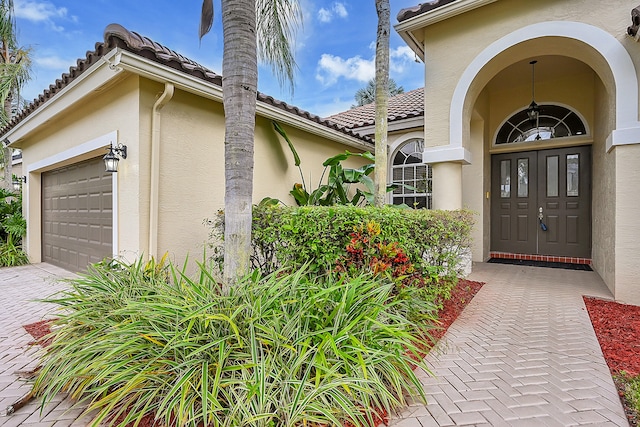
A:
x,y
280,350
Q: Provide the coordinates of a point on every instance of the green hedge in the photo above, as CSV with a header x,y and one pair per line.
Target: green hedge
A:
x,y
318,235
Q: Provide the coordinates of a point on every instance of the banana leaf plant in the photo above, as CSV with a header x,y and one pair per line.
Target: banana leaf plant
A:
x,y
337,187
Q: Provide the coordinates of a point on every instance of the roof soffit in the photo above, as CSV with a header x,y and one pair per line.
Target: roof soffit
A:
x,y
413,20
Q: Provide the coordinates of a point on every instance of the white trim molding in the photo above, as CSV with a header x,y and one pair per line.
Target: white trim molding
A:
x,y
401,140
620,64
623,137
446,153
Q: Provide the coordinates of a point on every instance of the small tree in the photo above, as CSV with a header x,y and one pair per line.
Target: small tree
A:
x,y
367,94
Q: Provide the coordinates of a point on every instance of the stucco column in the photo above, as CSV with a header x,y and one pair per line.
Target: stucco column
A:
x,y
447,185
627,234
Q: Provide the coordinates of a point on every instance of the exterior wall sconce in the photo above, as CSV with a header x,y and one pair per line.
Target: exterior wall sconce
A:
x,y
18,181
112,158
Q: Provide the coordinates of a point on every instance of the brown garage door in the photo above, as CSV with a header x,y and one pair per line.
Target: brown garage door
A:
x,y
77,218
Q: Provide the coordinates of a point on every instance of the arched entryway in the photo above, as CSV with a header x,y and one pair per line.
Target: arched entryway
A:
x,y
579,66
469,95
541,172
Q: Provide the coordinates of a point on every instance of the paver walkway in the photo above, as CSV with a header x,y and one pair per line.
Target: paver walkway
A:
x,y
523,353
20,287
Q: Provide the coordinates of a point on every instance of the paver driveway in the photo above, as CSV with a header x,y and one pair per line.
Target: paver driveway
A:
x,y
20,287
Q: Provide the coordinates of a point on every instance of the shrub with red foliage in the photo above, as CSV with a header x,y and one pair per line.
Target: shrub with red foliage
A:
x,y
366,252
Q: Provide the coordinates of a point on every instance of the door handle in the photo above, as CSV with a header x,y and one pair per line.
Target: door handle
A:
x,y
543,226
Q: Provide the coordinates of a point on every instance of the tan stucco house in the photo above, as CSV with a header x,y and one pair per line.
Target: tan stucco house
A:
x,y
531,120
529,116
167,110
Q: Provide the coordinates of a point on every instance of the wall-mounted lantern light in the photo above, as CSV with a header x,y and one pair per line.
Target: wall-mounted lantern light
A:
x,y
18,181
112,158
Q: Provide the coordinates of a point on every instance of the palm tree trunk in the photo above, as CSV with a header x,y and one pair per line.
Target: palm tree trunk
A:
x,y
7,153
382,100
239,86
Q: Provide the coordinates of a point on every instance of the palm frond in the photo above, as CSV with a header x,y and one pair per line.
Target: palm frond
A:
x,y
277,24
206,17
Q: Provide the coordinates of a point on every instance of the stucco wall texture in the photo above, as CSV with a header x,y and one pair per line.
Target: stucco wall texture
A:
x,y
191,164
569,72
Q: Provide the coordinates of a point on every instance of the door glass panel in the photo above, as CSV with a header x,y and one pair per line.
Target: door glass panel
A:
x,y
552,176
573,170
505,179
523,177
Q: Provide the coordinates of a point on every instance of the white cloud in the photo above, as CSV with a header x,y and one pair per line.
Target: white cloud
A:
x,y
337,9
400,57
331,68
340,10
324,15
53,62
42,12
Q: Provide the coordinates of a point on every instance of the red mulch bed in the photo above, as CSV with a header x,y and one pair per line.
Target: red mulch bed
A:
x,y
38,331
461,295
617,327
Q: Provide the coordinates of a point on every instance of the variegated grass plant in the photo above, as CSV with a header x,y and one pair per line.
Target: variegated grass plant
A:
x,y
280,350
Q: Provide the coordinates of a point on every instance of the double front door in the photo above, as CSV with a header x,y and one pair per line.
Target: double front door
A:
x,y
541,202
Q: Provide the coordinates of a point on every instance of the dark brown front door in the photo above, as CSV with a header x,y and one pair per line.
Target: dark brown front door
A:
x,y
541,202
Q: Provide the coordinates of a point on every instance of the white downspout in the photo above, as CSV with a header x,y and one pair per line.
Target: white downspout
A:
x,y
154,191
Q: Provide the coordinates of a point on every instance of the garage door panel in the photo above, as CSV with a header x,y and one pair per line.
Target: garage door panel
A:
x,y
77,215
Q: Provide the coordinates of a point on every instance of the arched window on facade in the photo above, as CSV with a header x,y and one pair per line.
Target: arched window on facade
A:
x,y
407,168
554,121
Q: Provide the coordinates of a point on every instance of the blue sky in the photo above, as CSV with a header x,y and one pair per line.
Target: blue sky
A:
x,y
335,45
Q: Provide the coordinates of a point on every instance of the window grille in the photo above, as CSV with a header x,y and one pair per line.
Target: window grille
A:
x,y
416,176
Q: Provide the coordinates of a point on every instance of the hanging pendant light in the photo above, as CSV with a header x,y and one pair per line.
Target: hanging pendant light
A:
x,y
534,110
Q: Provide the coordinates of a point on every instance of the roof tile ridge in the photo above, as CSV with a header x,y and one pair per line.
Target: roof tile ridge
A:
x,y
115,35
410,12
133,41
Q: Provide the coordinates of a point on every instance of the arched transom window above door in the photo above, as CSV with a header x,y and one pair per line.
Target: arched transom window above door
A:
x,y
408,169
554,121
